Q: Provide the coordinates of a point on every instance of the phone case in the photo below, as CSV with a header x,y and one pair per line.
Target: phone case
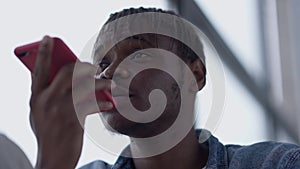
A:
x,y
61,55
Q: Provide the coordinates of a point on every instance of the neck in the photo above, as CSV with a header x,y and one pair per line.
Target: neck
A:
x,y
187,154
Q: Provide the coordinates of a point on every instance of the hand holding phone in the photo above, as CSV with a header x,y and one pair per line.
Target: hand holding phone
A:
x,y
52,112
61,55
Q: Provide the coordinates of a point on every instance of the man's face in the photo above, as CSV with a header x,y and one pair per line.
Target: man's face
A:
x,y
140,86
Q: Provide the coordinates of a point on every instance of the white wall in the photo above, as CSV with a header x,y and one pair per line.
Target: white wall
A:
x,y
25,21
76,22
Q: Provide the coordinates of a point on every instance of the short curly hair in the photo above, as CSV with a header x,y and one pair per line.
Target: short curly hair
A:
x,y
126,12
185,52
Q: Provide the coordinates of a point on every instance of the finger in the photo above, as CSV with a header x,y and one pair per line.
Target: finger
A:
x,y
91,107
62,82
42,66
72,75
86,89
76,72
99,73
83,69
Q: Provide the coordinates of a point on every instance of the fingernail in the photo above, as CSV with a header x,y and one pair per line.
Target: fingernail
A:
x,y
45,39
98,76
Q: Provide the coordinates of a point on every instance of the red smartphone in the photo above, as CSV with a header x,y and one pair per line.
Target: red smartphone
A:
x,y
62,55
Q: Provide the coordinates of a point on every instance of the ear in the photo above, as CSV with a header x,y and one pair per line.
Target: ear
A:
x,y
199,72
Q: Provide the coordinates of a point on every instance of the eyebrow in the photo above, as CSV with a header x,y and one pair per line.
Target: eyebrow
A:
x,y
134,37
140,38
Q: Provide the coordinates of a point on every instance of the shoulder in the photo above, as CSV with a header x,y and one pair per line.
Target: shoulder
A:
x,y
265,155
11,155
121,163
3,137
97,165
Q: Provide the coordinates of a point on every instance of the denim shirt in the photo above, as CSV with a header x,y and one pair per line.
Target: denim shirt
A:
x,y
265,155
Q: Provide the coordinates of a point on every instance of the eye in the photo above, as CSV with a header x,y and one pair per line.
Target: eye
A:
x,y
140,57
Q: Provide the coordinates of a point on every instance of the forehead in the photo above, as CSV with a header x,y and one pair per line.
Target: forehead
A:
x,y
141,41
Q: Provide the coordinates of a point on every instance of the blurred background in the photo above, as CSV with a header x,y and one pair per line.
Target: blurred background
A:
x,y
256,40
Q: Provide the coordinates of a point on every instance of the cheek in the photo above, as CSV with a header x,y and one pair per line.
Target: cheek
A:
x,y
150,79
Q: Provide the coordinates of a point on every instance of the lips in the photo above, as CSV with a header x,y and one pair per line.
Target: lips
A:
x,y
119,96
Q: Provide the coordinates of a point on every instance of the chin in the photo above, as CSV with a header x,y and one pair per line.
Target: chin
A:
x,y
116,123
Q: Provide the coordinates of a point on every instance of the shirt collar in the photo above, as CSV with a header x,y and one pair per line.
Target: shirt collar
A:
x,y
217,157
